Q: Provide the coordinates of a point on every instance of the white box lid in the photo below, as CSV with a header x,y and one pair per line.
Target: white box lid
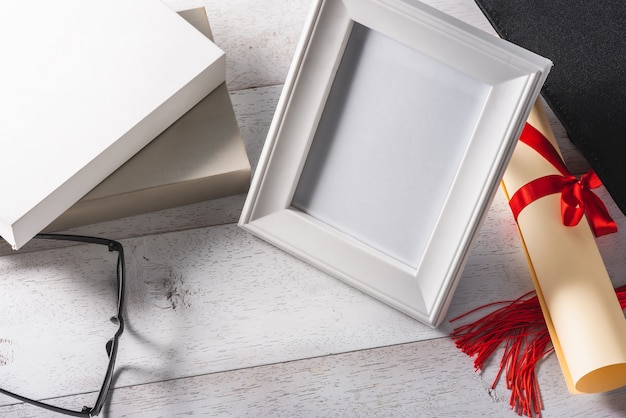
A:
x,y
85,84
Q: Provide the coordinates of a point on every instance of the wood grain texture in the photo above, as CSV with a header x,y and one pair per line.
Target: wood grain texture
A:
x,y
259,37
417,379
223,324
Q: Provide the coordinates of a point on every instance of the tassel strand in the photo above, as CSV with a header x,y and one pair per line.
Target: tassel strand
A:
x,y
520,326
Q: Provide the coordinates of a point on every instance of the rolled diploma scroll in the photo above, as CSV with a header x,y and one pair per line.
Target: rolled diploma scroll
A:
x,y
584,318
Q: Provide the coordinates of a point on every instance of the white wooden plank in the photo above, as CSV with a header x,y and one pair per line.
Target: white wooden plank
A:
x,y
420,379
199,301
259,37
215,299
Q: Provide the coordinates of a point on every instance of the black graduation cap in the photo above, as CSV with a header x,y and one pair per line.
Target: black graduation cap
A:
x,y
586,88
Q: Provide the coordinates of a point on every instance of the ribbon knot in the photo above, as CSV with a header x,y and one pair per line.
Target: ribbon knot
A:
x,y
577,199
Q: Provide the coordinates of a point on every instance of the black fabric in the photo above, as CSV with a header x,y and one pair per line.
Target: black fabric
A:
x,y
586,88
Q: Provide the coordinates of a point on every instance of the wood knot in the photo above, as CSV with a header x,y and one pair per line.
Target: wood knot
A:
x,y
6,351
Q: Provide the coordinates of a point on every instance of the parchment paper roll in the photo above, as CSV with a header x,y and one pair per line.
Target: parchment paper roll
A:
x,y
583,315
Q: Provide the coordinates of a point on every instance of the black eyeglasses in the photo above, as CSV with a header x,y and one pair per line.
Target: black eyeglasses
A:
x,y
111,346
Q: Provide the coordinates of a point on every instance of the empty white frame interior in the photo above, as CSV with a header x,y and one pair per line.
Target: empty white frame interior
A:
x,y
393,131
382,173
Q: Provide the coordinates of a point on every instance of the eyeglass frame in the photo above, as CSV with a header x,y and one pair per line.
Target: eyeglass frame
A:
x,y
111,345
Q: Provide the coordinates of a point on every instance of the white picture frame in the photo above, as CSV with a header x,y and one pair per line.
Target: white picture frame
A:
x,y
391,136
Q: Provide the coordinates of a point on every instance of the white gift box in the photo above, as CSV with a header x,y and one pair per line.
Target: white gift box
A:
x,y
199,157
390,139
85,85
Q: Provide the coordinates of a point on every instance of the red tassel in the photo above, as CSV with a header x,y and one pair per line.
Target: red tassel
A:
x,y
519,325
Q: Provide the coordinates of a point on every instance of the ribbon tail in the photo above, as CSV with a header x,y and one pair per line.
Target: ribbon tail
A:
x,y
573,205
598,215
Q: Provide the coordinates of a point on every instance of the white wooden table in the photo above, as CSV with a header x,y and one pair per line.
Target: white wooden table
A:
x,y
220,323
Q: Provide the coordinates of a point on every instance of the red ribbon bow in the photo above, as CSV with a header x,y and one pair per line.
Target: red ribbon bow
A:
x,y
576,195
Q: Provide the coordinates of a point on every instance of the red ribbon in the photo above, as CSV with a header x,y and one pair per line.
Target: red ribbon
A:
x,y
577,199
